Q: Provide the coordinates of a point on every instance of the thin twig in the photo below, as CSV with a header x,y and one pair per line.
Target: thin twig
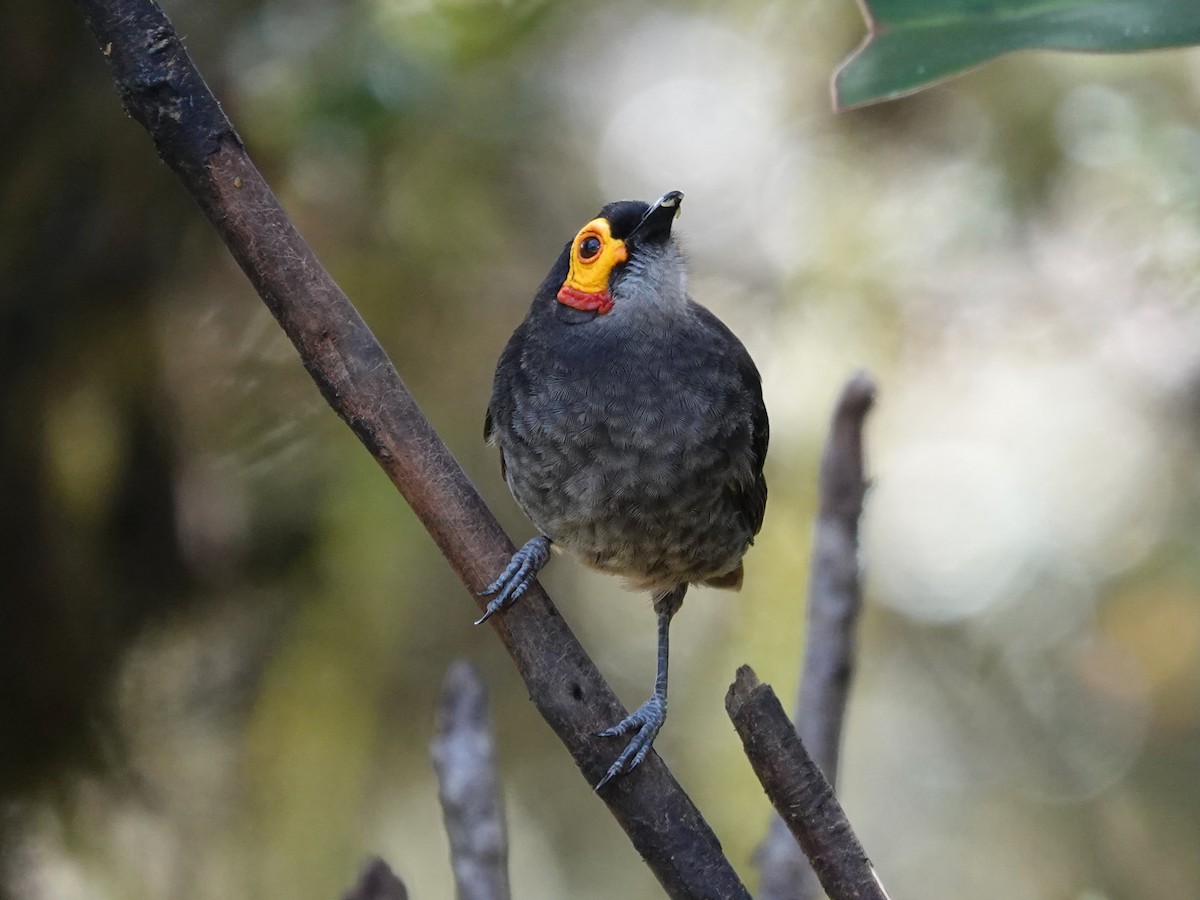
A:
x,y
161,88
377,882
799,792
834,601
834,592
464,757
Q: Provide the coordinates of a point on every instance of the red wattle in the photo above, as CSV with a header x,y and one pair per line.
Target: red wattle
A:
x,y
600,302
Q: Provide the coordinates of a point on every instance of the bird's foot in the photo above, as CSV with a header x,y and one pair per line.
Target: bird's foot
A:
x,y
517,576
645,721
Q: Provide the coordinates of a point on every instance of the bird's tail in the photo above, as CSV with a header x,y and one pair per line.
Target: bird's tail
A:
x,y
730,581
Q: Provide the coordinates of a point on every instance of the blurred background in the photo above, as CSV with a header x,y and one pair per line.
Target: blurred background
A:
x,y
222,633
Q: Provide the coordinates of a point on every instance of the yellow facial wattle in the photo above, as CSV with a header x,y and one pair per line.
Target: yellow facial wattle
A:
x,y
594,253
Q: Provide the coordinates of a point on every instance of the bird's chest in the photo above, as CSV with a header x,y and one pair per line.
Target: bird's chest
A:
x,y
592,435
609,460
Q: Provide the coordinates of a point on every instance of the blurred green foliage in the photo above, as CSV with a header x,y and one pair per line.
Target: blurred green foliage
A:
x,y
222,633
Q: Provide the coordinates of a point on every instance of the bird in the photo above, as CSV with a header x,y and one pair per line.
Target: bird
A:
x,y
631,429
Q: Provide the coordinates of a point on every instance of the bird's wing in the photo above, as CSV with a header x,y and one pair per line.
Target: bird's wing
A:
x,y
754,500
749,495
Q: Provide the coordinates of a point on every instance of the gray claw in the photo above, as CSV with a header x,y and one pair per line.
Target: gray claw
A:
x,y
517,576
647,720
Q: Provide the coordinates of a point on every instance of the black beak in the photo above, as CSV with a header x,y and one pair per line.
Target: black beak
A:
x,y
656,223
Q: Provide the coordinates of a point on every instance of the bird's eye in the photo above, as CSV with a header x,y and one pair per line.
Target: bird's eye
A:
x,y
589,248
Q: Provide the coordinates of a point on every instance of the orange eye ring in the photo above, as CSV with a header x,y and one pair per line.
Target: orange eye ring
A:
x,y
589,247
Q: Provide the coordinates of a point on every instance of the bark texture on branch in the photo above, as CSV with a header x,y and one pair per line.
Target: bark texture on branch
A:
x,y
799,792
834,602
464,757
161,88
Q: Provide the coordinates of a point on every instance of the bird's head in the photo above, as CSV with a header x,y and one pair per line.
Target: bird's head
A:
x,y
625,256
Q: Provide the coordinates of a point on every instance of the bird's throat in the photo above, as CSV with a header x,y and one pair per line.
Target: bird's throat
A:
x,y
599,302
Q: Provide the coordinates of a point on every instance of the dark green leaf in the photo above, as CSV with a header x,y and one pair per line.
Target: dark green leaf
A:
x,y
911,43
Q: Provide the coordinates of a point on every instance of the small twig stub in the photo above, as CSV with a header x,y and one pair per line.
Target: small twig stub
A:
x,y
377,882
799,792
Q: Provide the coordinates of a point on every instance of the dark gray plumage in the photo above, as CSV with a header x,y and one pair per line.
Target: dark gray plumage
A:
x,y
633,438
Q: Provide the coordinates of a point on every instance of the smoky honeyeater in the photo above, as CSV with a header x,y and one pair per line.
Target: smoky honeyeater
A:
x,y
631,429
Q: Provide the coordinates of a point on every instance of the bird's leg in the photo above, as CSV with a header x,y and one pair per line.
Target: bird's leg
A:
x,y
648,718
517,576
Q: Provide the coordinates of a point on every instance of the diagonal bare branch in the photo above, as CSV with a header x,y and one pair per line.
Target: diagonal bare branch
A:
x,y
161,88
